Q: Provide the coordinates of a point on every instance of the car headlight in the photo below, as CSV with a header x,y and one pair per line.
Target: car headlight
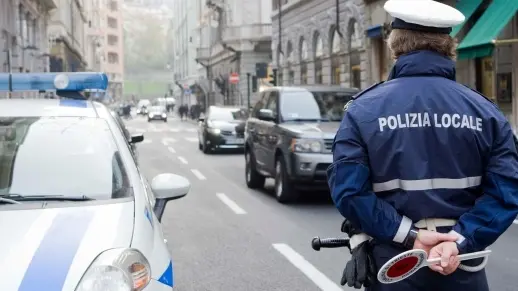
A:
x,y
163,115
117,270
306,145
214,130
150,115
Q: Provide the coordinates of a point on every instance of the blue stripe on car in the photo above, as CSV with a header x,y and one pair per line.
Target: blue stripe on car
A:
x,y
167,276
50,264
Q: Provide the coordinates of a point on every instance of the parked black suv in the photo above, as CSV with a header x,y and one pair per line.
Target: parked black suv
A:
x,y
289,136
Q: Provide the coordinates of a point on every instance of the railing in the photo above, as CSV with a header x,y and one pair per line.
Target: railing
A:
x,y
257,31
202,53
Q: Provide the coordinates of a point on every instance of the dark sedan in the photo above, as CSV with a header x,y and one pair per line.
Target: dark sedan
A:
x,y
222,128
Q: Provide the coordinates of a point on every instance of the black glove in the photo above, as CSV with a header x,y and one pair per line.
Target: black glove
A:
x,y
349,229
360,270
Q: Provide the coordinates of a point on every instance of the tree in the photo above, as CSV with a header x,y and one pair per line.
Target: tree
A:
x,y
145,43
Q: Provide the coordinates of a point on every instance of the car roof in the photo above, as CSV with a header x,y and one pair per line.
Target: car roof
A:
x,y
315,88
49,108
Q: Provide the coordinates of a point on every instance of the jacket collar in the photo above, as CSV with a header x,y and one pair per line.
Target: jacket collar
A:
x,y
423,63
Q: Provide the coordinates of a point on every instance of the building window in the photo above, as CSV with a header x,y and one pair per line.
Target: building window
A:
x,y
112,22
113,5
318,54
113,40
355,39
303,61
113,58
336,59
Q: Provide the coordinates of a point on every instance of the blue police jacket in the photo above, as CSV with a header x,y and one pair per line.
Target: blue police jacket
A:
x,y
421,145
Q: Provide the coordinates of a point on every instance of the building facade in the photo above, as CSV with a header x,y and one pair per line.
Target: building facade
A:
x,y
320,42
112,46
94,35
182,49
23,35
67,39
234,35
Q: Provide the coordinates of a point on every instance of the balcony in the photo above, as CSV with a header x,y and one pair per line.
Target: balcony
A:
x,y
251,32
202,54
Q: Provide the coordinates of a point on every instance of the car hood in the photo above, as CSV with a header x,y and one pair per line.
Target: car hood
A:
x,y
50,249
237,125
325,130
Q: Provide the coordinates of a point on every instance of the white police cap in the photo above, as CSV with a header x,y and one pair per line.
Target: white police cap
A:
x,y
423,15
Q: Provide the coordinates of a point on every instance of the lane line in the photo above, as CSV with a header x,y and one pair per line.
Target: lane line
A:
x,y
171,150
198,174
183,160
168,140
230,203
323,282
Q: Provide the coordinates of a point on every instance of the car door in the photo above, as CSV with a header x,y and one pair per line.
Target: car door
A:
x,y
270,132
258,131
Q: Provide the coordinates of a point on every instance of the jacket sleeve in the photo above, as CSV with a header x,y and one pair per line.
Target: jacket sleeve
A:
x,y
497,208
351,188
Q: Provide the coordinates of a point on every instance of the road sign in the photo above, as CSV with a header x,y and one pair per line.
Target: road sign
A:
x,y
234,78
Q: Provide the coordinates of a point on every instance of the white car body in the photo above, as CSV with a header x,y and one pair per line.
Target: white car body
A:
x,y
51,247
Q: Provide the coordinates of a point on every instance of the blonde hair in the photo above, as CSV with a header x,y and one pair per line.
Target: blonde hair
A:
x,y
402,41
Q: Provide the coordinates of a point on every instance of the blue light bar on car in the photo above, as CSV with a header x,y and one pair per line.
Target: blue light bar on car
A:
x,y
54,81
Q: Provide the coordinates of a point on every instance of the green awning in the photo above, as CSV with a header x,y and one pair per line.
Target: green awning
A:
x,y
467,7
479,41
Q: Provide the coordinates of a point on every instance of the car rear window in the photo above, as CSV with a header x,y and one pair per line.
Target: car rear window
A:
x,y
60,156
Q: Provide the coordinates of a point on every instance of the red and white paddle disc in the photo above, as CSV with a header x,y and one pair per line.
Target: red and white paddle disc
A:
x,y
405,264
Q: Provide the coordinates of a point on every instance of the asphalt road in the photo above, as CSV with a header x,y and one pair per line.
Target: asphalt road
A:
x,y
226,237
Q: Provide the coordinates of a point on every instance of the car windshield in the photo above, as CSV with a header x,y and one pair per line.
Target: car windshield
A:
x,y
159,109
305,105
60,156
228,114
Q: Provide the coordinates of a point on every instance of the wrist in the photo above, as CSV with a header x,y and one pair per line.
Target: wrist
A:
x,y
411,238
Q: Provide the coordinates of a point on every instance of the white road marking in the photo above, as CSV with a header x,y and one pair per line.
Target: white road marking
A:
x,y
183,160
191,139
198,174
323,282
147,141
191,130
231,204
174,130
171,150
168,140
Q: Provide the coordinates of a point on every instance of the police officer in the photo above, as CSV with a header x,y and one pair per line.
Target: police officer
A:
x,y
421,161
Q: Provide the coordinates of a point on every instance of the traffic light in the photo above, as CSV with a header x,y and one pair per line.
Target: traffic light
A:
x,y
273,77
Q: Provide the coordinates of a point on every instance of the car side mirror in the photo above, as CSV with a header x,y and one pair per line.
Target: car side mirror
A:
x,y
266,114
136,138
167,187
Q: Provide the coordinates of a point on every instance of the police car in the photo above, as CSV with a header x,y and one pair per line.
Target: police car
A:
x,y
75,212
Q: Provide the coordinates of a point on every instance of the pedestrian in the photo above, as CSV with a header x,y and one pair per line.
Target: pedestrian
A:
x,y
423,162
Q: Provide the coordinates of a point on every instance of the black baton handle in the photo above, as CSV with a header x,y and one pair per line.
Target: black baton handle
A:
x,y
317,243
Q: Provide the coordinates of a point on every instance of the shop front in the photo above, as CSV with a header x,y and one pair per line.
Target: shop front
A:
x,y
488,51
